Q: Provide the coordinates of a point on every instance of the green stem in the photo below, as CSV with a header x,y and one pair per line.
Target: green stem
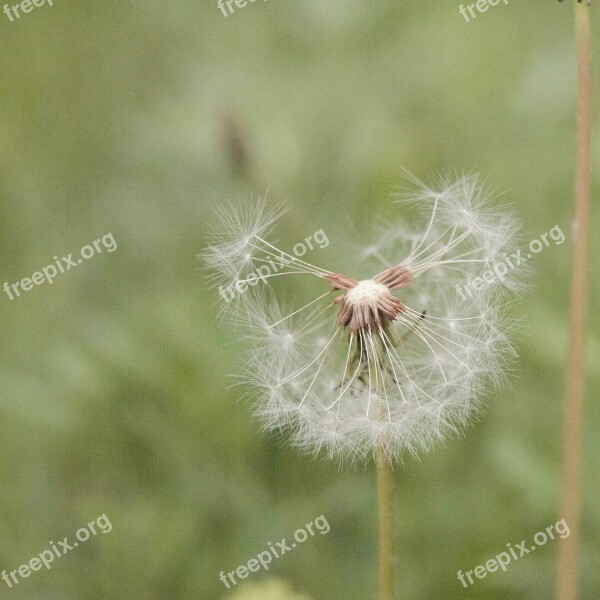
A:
x,y
567,577
385,497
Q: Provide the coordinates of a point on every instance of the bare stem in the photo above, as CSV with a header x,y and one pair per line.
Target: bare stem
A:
x,y
385,497
567,578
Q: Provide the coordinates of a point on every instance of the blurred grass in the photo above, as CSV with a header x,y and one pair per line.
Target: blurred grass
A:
x,y
114,390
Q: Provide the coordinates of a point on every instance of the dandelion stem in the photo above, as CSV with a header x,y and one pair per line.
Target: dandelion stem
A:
x,y
385,496
567,577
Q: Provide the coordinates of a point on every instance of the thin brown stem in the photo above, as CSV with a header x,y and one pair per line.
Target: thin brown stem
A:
x,y
567,578
385,497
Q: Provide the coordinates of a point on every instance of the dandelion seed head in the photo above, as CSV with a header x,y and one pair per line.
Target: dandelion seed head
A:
x,y
392,363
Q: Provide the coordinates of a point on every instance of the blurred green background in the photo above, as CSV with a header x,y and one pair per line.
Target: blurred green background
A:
x,y
138,117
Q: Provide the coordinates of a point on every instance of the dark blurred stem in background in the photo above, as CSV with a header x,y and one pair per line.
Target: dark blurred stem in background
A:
x,y
238,149
568,569
385,500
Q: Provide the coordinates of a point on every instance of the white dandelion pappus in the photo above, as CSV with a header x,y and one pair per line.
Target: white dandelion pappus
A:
x,y
390,363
